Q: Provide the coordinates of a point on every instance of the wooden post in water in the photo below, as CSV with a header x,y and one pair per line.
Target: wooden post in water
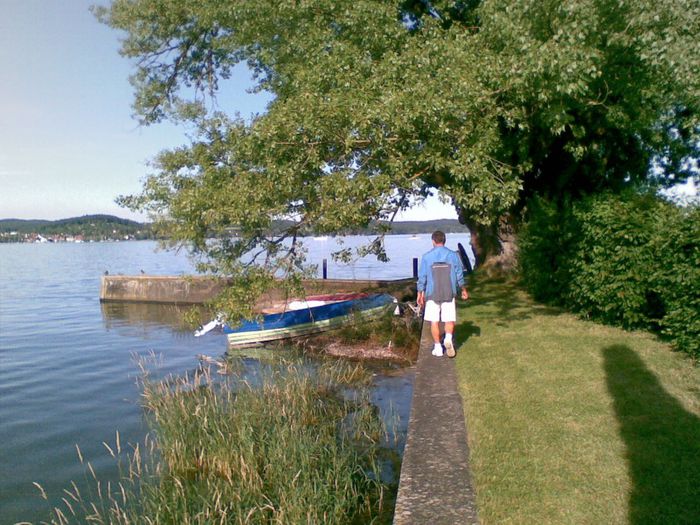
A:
x,y
325,269
415,267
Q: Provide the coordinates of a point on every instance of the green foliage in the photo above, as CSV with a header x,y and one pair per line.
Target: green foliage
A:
x,y
545,243
631,260
614,267
678,244
377,102
401,332
359,330
288,449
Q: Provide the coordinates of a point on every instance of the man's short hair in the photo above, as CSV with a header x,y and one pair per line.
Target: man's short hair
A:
x,y
438,237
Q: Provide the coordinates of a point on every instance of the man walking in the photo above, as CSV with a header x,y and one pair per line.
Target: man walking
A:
x,y
440,276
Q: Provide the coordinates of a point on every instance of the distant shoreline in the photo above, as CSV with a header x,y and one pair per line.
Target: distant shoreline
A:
x,y
109,228
93,241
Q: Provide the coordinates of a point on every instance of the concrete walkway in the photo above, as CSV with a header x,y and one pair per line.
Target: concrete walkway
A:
x,y
435,485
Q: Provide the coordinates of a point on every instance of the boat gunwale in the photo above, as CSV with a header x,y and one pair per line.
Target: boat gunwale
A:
x,y
275,321
280,307
261,337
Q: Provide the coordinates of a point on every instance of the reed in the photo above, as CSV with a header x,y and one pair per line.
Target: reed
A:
x,y
286,449
400,332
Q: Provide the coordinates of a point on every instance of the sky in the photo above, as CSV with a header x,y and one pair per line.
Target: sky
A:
x,y
68,143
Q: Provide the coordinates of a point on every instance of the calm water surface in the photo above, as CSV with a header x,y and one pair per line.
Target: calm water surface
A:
x,y
67,370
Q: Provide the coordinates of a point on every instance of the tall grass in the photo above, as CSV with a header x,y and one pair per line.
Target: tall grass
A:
x,y
402,333
285,450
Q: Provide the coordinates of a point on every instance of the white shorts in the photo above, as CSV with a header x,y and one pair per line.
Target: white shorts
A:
x,y
445,312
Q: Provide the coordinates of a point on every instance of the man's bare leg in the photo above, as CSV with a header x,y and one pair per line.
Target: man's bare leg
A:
x,y
435,332
449,344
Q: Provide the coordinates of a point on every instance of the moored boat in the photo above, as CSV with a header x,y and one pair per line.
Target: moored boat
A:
x,y
314,314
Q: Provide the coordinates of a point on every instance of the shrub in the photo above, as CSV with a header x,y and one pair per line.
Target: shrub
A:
x,y
545,245
631,260
678,241
613,265
401,332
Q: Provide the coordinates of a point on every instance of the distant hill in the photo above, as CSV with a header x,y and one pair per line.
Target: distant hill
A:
x,y
398,228
444,225
106,227
90,227
31,225
21,225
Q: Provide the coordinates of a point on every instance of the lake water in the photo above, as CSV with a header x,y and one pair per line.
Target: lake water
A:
x,y
67,370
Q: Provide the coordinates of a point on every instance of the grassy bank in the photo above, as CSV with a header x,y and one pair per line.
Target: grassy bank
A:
x,y
575,422
286,449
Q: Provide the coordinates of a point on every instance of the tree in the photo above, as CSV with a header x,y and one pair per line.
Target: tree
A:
x,y
377,102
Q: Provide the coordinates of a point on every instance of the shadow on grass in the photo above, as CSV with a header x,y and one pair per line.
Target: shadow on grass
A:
x,y
662,440
465,330
508,301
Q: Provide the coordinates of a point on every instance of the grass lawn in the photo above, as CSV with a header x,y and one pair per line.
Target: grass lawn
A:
x,y
574,422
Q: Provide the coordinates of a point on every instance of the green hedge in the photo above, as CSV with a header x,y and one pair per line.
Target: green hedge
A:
x,y
631,260
678,239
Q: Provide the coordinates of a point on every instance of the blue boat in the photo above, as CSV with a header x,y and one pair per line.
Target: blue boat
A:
x,y
309,316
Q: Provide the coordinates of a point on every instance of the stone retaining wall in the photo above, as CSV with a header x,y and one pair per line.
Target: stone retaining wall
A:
x,y
435,485
199,289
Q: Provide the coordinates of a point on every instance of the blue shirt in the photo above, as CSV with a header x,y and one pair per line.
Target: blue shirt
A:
x,y
439,254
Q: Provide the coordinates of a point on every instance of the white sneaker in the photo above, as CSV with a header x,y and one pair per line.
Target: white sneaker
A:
x,y
437,352
450,347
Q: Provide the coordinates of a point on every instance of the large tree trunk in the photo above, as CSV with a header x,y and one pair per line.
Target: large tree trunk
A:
x,y
495,246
